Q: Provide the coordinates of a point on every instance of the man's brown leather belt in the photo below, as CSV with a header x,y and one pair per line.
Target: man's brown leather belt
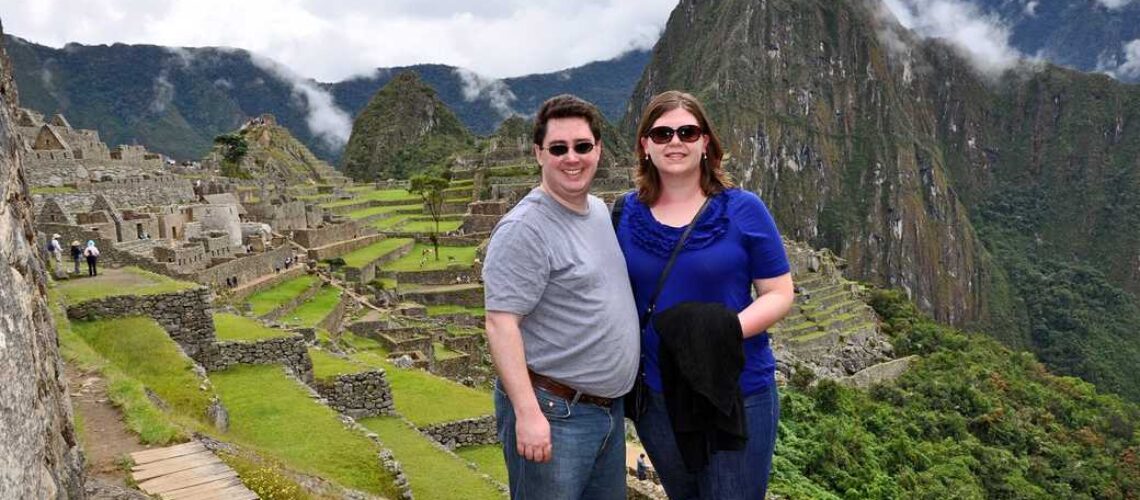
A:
x,y
566,392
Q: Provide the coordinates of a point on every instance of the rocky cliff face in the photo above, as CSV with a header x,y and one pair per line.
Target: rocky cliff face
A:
x,y
404,129
39,454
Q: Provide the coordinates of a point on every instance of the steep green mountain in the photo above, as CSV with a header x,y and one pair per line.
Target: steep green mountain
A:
x,y
175,100
273,154
967,191
482,104
404,130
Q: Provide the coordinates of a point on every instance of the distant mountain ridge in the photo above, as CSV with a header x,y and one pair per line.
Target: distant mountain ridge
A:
x,y
175,100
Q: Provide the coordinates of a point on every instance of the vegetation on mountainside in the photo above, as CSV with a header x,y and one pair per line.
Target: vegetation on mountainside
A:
x,y
233,148
969,420
405,130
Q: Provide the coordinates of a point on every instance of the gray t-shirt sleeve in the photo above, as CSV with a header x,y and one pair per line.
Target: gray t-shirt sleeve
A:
x,y
516,270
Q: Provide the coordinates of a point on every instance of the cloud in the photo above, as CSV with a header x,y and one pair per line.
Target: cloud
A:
x,y
325,120
331,41
1031,8
1114,4
163,94
982,39
493,90
1130,69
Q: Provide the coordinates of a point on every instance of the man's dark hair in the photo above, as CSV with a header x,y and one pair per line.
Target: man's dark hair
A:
x,y
566,106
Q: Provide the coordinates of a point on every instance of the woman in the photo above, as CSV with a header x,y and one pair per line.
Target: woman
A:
x,y
76,253
92,254
733,246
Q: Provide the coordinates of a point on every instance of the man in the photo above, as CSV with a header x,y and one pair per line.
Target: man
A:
x,y
561,321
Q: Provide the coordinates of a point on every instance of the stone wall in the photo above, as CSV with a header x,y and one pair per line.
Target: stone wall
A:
x,y
471,296
39,449
289,351
367,273
246,268
329,234
395,339
343,247
466,432
441,277
880,373
470,344
186,316
452,368
358,395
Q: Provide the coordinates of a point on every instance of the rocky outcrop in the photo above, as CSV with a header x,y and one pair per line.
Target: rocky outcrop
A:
x,y
39,452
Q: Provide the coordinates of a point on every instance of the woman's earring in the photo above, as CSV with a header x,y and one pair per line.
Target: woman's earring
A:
x,y
646,156
703,157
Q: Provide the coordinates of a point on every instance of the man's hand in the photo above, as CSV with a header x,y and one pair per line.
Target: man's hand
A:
x,y
532,437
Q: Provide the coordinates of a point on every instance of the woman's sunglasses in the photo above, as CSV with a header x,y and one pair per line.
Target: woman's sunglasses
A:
x,y
662,135
579,148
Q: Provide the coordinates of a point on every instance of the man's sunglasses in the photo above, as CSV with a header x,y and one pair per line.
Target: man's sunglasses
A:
x,y
579,148
662,135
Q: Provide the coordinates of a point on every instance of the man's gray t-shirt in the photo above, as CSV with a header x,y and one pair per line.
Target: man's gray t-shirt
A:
x,y
564,273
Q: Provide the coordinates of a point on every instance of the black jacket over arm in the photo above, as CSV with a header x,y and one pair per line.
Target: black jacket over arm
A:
x,y
701,358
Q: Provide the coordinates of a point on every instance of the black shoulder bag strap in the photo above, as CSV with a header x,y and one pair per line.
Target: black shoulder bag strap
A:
x,y
669,265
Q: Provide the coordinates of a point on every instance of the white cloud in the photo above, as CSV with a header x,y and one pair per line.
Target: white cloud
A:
x,y
493,90
163,94
982,39
1031,8
1114,4
331,41
325,120
1131,67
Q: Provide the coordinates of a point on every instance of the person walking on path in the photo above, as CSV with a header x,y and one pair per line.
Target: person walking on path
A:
x,y
56,251
92,255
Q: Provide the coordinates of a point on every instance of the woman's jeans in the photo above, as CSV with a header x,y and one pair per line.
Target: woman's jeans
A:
x,y
729,474
588,448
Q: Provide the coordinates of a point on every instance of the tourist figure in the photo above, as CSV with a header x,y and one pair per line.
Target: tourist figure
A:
x,y
704,314
56,251
92,255
560,321
641,467
76,253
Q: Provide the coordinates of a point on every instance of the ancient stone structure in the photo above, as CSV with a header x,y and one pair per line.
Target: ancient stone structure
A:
x,y
186,316
39,451
290,351
466,432
358,395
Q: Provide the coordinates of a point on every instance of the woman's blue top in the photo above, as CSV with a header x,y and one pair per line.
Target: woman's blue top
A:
x,y
734,242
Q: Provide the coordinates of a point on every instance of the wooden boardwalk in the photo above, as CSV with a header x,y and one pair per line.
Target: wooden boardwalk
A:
x,y
187,472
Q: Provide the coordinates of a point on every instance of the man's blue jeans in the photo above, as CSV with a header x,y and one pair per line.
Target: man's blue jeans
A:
x,y
588,447
729,474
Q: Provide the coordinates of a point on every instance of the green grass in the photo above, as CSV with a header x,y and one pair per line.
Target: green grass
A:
x,y
141,349
312,311
432,472
411,262
375,195
53,190
427,226
390,222
489,459
463,331
265,301
125,281
242,329
370,211
327,366
364,256
442,352
273,414
140,414
418,394
455,309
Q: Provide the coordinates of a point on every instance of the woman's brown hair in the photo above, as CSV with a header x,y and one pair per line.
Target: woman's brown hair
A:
x,y
714,179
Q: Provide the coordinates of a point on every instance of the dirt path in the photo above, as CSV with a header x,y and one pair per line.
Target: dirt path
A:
x,y
105,437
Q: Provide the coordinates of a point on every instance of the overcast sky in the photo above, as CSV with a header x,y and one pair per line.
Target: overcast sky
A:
x,y
331,40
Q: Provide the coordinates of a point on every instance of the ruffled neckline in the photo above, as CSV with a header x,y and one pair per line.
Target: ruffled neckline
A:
x,y
659,239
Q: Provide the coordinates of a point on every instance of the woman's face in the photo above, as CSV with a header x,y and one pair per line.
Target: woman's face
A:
x,y
676,157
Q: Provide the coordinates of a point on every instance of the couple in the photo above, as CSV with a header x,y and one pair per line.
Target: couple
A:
x,y
565,299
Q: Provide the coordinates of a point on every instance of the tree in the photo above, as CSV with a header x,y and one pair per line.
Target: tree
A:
x,y
430,188
234,147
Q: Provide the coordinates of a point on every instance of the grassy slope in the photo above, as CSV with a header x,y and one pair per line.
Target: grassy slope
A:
x,y
315,309
364,256
411,262
267,300
239,328
136,282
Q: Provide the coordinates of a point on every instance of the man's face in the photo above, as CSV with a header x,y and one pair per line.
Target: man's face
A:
x,y
567,175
